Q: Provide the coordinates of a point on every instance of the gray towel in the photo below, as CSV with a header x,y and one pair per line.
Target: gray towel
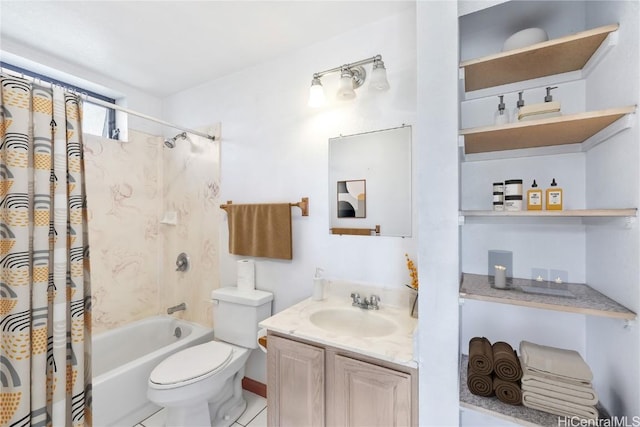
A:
x,y
563,364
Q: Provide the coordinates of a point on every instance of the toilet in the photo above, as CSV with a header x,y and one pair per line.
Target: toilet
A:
x,y
202,385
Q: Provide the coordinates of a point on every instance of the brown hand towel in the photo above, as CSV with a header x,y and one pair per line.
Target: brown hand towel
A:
x,y
506,364
480,355
480,385
507,391
262,230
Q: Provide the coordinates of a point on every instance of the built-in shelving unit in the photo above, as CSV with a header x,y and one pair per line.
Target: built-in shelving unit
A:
x,y
573,60
586,299
575,213
516,414
556,56
561,130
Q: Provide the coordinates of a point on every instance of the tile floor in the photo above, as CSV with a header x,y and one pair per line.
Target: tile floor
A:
x,y
254,416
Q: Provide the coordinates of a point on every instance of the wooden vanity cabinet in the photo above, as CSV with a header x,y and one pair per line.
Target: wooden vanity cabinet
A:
x,y
311,385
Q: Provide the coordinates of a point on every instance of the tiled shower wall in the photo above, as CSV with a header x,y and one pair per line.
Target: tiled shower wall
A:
x,y
130,188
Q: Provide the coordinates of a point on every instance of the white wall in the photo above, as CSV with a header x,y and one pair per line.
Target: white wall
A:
x,y
275,149
437,202
613,179
127,96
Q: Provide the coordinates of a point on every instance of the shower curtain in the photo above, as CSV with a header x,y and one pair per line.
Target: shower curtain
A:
x,y
45,341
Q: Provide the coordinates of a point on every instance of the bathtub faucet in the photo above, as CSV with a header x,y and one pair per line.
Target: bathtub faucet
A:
x,y
181,306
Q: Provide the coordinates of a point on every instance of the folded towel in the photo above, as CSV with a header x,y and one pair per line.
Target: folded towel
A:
x,y
507,391
480,355
262,230
570,391
561,363
481,385
506,364
558,407
560,395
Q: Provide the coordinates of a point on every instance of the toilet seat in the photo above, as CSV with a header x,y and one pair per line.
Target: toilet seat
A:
x,y
191,365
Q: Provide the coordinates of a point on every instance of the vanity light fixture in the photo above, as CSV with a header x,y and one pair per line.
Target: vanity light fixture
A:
x,y
352,76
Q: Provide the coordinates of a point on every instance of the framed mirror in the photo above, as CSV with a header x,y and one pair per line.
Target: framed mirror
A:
x,y
370,183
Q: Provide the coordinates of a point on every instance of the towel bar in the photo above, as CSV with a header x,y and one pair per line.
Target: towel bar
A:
x,y
303,204
357,231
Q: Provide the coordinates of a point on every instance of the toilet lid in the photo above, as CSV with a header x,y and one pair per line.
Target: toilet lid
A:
x,y
193,362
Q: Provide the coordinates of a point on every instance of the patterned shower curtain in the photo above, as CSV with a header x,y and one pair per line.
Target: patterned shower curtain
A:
x,y
45,321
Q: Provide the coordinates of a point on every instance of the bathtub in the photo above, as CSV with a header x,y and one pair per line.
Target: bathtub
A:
x,y
124,357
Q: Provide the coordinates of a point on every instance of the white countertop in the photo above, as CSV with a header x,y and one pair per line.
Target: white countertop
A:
x,y
396,347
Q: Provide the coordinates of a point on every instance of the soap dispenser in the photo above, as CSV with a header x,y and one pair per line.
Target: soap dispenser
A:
x,y
318,286
501,115
554,197
534,198
519,104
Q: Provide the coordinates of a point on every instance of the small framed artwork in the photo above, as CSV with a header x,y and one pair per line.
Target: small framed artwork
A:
x,y
352,199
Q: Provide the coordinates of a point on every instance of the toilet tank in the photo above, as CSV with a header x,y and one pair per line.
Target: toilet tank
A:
x,y
236,314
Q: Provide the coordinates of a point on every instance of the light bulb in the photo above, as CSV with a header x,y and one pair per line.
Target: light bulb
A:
x,y
345,90
316,93
379,76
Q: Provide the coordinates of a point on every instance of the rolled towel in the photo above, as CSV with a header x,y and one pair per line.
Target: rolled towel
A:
x,y
505,362
558,407
480,385
507,391
558,362
480,355
536,383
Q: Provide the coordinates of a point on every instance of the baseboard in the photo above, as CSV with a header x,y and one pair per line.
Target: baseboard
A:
x,y
254,386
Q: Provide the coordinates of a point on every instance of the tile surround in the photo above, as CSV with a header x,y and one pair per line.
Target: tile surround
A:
x,y
130,185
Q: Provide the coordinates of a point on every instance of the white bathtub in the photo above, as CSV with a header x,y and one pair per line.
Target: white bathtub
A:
x,y
124,357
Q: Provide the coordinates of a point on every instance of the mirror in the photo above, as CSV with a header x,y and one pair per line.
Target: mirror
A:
x,y
370,183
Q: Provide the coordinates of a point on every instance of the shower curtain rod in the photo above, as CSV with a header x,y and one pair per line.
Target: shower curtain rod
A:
x,y
102,103
14,70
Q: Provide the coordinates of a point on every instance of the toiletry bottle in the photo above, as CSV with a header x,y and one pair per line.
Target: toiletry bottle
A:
x,y
554,197
549,98
501,116
318,286
534,198
519,104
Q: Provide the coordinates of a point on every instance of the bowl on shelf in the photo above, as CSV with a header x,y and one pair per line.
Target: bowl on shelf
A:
x,y
525,38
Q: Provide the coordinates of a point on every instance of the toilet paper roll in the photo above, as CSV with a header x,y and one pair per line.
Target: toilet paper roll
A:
x,y
261,333
246,279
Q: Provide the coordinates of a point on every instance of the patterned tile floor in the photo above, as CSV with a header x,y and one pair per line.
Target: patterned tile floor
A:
x,y
254,416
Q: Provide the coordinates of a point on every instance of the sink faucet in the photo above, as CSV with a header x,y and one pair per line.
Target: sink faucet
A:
x,y
367,304
181,306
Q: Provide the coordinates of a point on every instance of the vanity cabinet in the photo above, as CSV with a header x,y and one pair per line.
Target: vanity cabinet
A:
x,y
592,144
295,383
314,385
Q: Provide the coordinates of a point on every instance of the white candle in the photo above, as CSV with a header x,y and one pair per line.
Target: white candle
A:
x,y
500,277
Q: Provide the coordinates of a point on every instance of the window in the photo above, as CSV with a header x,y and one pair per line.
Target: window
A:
x,y
96,119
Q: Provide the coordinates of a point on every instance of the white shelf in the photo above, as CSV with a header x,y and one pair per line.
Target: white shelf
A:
x,y
576,213
587,300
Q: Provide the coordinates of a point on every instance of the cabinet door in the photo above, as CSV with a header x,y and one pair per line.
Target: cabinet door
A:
x,y
295,384
370,395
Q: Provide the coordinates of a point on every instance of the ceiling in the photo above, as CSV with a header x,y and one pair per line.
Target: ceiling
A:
x,y
163,47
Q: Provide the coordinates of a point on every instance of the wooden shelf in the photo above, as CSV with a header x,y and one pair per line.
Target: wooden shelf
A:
x,y
561,130
569,53
516,414
587,300
579,213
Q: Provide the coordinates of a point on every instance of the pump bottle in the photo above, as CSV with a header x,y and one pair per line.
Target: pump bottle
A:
x,y
554,197
534,198
318,286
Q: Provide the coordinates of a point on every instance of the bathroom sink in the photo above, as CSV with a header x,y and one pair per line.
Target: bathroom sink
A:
x,y
353,321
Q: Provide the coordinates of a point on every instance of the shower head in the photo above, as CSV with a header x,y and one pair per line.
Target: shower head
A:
x,y
171,142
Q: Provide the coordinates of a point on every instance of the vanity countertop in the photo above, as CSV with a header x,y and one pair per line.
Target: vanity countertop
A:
x,y
396,347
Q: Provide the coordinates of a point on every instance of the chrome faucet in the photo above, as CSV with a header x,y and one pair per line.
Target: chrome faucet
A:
x,y
179,307
367,304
